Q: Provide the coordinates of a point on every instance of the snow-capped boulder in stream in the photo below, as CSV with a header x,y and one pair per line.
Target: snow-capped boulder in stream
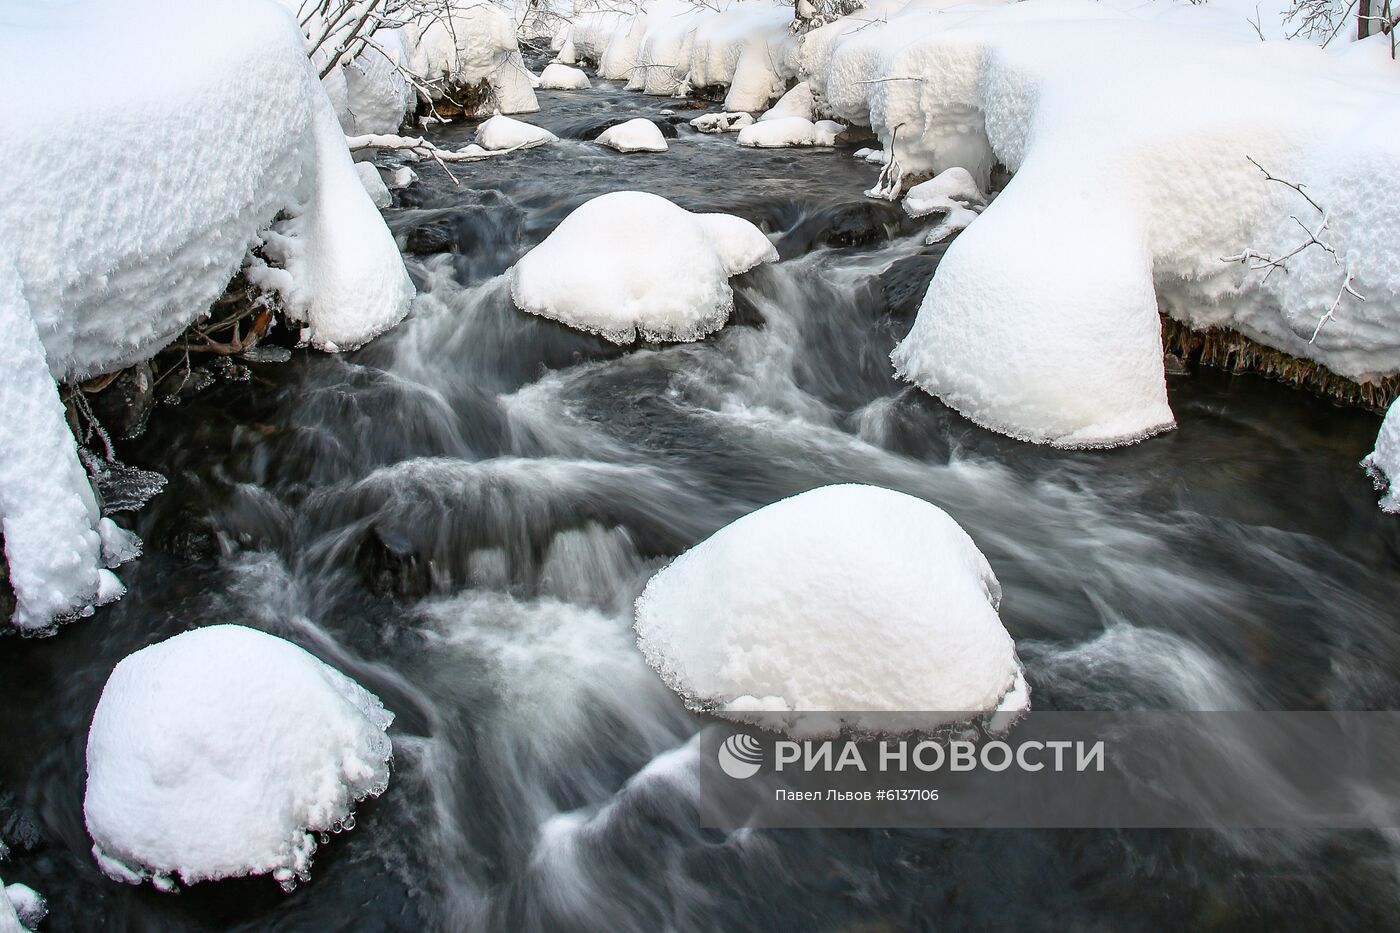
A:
x,y
221,752
790,131
639,135
21,908
630,264
106,259
558,77
844,598
502,132
1384,462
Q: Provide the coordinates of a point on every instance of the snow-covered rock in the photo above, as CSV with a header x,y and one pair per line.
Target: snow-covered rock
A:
x,y
952,192
639,135
123,218
1384,462
630,264
567,55
563,78
797,102
403,177
21,908
844,598
779,133
374,185
1132,179
502,132
722,122
474,41
222,752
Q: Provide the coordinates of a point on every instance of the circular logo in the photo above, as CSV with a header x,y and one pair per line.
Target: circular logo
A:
x,y
740,756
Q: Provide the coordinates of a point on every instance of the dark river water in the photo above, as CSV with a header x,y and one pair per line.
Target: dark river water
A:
x,y
460,515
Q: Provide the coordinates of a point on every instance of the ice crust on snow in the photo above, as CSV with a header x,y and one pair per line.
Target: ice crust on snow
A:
x,y
639,135
561,77
222,752
630,264
502,132
844,598
1384,462
101,265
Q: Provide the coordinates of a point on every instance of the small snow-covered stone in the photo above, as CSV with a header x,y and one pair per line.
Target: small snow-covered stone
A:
x,y
639,135
403,177
221,752
629,264
776,134
1384,462
21,908
950,188
824,132
722,122
560,77
844,598
797,102
502,132
374,185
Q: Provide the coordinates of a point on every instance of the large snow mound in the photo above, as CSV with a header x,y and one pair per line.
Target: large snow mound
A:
x,y
563,78
123,217
844,598
502,132
722,122
631,264
1384,462
465,42
1132,182
221,752
639,135
668,47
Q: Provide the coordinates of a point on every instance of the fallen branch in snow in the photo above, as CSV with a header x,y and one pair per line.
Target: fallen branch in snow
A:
x,y
1256,261
423,149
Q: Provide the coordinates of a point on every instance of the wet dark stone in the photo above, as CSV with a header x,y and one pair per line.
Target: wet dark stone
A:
x,y
19,829
905,282
390,565
7,595
488,232
125,404
857,223
189,536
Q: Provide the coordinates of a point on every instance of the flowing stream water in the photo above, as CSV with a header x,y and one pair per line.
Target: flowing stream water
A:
x,y
460,515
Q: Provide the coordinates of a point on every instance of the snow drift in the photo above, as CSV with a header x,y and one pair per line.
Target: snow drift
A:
x,y
845,598
113,241
221,752
629,264
1133,180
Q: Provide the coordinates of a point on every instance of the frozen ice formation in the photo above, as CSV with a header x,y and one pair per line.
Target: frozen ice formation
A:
x,y
629,264
843,599
222,752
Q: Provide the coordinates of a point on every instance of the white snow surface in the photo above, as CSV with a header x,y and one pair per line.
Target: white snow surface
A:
x,y
1384,462
112,242
374,185
797,102
639,135
1130,149
475,41
502,132
630,264
221,752
845,598
776,134
563,78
